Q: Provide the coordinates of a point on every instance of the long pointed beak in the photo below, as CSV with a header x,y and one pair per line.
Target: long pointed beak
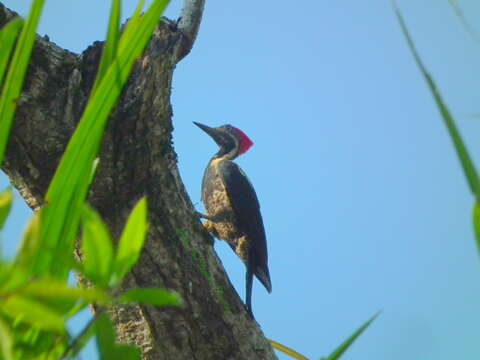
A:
x,y
210,131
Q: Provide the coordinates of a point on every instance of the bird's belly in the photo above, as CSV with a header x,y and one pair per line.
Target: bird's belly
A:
x,y
219,208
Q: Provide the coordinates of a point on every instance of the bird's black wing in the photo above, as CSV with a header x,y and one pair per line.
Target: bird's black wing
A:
x,y
247,211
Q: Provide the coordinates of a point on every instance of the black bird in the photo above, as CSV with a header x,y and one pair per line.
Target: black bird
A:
x,y
232,208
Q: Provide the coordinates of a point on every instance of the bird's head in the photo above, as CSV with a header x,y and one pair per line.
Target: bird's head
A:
x,y
232,141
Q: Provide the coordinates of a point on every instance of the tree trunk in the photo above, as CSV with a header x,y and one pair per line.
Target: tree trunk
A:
x,y
137,159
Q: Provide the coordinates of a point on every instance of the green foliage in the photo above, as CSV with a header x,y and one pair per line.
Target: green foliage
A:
x,y
35,299
339,351
6,198
70,183
131,241
97,249
18,67
463,155
107,348
151,296
466,161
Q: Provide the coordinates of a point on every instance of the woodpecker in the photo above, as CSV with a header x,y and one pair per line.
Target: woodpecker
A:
x,y
232,208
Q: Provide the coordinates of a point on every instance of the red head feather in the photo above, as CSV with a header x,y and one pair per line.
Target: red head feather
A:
x,y
245,142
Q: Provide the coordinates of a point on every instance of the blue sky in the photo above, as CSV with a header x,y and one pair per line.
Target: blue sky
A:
x,y
362,195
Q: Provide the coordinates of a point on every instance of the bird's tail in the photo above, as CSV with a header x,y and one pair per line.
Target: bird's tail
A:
x,y
263,275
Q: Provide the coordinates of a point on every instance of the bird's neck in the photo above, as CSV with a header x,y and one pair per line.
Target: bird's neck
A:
x,y
226,154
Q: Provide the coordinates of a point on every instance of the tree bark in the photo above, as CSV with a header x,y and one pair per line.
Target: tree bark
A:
x,y
137,159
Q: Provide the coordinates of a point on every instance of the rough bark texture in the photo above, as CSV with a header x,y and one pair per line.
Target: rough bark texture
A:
x,y
137,159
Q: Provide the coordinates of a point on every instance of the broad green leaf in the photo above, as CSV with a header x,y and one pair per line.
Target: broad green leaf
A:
x,y
32,312
465,160
6,341
286,350
29,249
6,198
70,183
347,343
8,35
16,74
131,241
105,337
110,48
97,248
151,296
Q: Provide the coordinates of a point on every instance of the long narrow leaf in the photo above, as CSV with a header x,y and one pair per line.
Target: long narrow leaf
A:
x,y
476,223
16,74
465,159
8,35
110,48
6,198
286,350
6,341
82,149
347,343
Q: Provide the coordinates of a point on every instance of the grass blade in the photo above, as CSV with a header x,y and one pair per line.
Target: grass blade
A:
x,y
8,35
6,198
347,343
286,350
110,47
6,341
16,74
465,159
476,223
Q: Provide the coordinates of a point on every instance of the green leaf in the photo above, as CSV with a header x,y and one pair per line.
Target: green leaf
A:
x,y
127,352
131,241
12,278
465,159
110,48
29,249
70,183
8,35
6,198
151,296
476,223
6,341
105,337
97,248
51,289
32,312
16,74
347,343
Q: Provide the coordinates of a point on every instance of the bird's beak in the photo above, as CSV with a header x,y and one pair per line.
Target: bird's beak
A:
x,y
214,133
